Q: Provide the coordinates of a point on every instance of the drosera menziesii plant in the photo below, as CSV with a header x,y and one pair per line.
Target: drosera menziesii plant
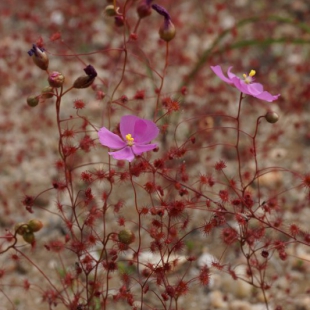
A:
x,y
134,181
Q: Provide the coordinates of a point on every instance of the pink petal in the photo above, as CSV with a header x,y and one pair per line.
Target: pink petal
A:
x,y
139,149
230,74
123,154
142,130
218,71
267,96
109,139
255,88
145,131
239,84
127,125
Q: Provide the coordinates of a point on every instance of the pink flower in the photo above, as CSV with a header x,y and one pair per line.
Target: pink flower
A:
x,y
245,85
136,134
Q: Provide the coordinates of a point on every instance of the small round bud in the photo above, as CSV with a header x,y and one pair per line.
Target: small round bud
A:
x,y
144,9
265,253
21,228
133,37
32,101
282,255
124,99
167,31
47,92
271,117
29,237
56,79
119,21
126,236
100,95
110,10
35,225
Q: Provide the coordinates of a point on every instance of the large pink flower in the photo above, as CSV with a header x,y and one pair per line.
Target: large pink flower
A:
x,y
136,134
245,85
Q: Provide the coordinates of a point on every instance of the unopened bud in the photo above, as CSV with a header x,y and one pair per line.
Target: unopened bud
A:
x,y
47,92
39,57
126,236
144,9
21,228
29,237
35,225
110,10
86,81
56,79
119,21
167,31
271,117
32,101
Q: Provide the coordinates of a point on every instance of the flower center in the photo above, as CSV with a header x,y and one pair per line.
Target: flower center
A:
x,y
130,140
248,79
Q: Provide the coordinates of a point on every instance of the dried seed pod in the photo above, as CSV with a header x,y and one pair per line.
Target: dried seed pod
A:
x,y
32,101
21,228
47,92
35,225
29,237
39,57
271,117
86,81
126,236
110,10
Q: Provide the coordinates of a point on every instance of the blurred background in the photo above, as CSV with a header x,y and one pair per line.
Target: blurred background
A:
x,y
271,37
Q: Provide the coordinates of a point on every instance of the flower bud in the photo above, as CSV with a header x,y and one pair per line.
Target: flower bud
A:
x,y
35,225
110,10
56,79
271,117
32,101
119,21
86,81
167,31
21,228
39,57
29,237
47,92
144,9
283,255
126,236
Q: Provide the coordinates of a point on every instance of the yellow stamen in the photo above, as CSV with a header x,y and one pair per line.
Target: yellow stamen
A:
x,y
130,139
248,78
252,73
